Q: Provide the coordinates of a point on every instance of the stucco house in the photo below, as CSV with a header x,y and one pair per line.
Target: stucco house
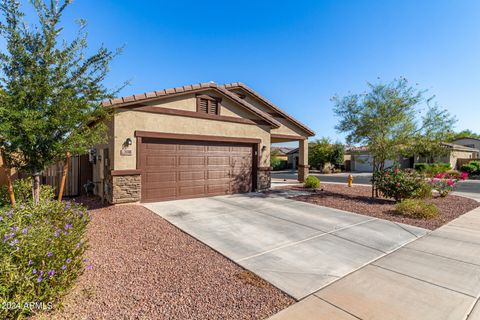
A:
x,y
469,142
281,152
361,160
292,158
192,141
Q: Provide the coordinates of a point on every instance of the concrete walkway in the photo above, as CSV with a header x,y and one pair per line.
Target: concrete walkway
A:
x,y
434,278
298,247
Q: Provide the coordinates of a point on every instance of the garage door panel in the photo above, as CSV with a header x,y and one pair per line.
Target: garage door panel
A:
x,y
191,161
191,175
194,148
152,177
218,161
159,148
160,161
174,169
218,174
160,193
191,190
225,149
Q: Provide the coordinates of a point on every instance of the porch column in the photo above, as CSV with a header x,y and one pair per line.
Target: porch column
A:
x,y
303,160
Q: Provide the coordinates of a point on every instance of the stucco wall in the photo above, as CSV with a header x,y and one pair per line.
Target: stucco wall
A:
x,y
287,127
127,121
454,155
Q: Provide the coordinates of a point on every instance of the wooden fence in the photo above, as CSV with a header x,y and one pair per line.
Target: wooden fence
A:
x,y
79,172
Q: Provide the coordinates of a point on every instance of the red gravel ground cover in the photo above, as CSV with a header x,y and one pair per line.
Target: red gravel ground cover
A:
x,y
358,199
145,268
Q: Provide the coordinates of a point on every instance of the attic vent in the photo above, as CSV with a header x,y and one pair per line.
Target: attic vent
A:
x,y
208,105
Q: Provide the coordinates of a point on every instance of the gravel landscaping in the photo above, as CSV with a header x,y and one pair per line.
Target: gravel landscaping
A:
x,y
358,199
145,268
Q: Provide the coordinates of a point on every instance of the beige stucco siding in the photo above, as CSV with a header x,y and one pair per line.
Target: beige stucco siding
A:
x,y
127,121
454,155
186,102
288,129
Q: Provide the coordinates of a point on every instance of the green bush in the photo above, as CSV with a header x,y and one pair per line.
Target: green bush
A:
x,y
424,192
22,188
416,208
311,182
432,168
399,184
440,168
40,254
468,168
476,164
421,167
278,164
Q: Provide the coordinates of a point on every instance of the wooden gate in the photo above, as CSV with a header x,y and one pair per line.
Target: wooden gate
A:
x,y
79,172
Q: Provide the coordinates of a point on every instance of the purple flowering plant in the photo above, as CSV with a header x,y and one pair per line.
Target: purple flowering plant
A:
x,y
42,260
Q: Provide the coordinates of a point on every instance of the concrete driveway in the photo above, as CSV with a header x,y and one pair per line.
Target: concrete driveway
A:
x,y
298,247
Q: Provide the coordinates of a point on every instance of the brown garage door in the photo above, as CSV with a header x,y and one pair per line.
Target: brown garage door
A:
x,y
173,169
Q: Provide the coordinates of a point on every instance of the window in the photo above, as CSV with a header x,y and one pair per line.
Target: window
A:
x,y
208,105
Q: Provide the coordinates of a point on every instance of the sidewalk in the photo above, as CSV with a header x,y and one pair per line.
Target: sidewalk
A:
x,y
434,278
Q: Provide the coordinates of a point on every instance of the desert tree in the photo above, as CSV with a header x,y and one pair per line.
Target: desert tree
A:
x,y
391,120
50,88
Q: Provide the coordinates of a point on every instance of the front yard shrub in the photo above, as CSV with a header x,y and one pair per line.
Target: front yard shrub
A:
x,y
424,192
476,164
22,188
416,208
432,168
399,184
311,182
41,249
468,168
421,167
445,183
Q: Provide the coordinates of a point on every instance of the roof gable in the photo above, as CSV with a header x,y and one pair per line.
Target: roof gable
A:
x,y
140,99
268,103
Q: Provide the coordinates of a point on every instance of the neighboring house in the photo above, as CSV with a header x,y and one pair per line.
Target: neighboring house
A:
x,y
469,142
282,152
455,153
192,141
361,160
292,158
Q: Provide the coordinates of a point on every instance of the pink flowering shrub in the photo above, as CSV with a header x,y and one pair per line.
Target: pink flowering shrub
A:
x,y
399,184
41,254
444,183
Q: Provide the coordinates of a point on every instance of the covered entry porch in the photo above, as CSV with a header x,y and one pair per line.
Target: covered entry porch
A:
x,y
297,157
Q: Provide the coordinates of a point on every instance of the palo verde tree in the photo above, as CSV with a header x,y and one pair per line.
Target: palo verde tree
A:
x,y
50,89
388,121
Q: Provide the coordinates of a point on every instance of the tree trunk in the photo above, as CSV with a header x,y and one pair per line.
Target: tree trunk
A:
x,y
373,178
64,177
36,187
8,173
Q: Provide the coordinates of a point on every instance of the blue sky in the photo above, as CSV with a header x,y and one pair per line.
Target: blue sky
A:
x,y
296,53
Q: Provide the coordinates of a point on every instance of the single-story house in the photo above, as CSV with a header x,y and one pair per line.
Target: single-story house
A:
x,y
192,141
292,158
361,160
469,142
281,152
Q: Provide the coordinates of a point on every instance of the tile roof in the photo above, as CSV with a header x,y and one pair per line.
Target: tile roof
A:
x,y
235,85
154,95
282,150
